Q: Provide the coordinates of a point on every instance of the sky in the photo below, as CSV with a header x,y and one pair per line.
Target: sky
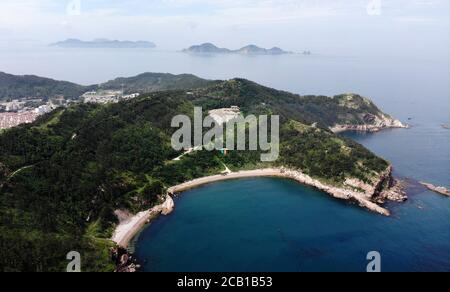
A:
x,y
323,26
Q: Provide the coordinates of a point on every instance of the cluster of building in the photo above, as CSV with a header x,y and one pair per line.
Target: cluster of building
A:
x,y
106,96
10,120
27,110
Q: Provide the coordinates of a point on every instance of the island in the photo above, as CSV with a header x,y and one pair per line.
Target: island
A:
x,y
209,48
104,44
67,179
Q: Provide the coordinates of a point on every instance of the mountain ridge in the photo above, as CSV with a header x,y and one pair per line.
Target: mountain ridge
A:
x,y
32,86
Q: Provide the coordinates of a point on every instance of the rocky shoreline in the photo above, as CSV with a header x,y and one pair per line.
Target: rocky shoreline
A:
x,y
127,229
131,224
365,195
373,124
440,190
125,261
385,188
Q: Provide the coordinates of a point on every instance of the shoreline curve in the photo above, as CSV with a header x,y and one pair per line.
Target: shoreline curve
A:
x,y
127,230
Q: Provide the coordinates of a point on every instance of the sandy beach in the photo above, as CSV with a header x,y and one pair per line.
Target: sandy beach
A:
x,y
127,229
231,176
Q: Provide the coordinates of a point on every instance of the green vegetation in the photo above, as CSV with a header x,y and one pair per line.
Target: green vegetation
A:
x,y
62,178
153,82
13,87
254,98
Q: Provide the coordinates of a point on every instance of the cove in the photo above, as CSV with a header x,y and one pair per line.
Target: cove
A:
x,y
269,224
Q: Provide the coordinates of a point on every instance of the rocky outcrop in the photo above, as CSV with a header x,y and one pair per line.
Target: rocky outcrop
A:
x,y
168,206
372,123
389,189
361,197
383,188
125,262
130,224
440,190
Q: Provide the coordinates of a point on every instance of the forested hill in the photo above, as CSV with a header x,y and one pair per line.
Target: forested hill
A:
x,y
323,111
62,177
152,82
14,87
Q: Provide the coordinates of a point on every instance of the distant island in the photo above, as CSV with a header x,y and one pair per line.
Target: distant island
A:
x,y
104,44
209,48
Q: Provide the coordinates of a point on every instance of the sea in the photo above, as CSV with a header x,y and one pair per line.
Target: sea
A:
x,y
268,224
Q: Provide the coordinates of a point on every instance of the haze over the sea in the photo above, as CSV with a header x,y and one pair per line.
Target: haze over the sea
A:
x,y
373,27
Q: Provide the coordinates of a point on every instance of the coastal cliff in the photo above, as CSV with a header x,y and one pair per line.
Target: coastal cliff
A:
x,y
368,195
373,123
383,188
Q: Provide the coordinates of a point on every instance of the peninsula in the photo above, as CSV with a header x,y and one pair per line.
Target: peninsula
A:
x,y
84,165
